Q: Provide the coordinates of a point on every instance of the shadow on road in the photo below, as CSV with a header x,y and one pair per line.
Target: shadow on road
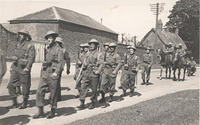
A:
x,y
13,120
67,97
65,111
5,98
3,110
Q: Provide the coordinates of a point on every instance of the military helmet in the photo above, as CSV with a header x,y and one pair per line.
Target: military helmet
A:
x,y
148,48
51,33
179,44
81,45
85,45
59,39
93,41
131,47
26,33
112,45
106,44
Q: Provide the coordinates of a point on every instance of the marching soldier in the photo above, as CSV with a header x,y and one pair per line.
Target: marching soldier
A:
x,y
50,72
170,50
147,62
90,76
112,65
129,71
81,56
66,59
20,72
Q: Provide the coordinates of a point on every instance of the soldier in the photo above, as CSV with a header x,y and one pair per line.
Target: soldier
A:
x,y
147,62
20,71
81,56
112,64
50,72
129,71
91,71
181,50
170,50
66,60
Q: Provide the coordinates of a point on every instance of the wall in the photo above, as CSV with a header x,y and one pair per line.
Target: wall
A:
x,y
36,30
74,35
7,41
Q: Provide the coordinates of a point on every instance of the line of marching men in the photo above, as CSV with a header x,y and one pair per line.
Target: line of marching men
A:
x,y
95,70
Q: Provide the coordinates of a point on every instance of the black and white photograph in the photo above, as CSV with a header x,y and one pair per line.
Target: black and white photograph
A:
x,y
99,62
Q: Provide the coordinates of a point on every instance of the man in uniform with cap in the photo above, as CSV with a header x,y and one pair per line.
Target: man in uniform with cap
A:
x,y
180,50
81,56
147,62
90,77
129,71
50,72
66,60
112,65
20,71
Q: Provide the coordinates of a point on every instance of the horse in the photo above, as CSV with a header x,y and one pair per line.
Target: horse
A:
x,y
179,63
165,62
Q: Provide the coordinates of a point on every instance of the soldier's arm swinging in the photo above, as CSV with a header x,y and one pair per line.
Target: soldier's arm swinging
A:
x,y
30,57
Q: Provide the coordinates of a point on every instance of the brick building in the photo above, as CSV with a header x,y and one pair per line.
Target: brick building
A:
x,y
75,28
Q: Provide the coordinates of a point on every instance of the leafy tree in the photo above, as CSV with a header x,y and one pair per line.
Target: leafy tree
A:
x,y
185,17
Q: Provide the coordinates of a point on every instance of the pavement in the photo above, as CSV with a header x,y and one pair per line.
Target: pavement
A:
x,y
67,111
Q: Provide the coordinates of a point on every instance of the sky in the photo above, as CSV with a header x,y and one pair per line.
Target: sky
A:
x,y
132,17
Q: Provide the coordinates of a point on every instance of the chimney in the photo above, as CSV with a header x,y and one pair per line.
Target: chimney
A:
x,y
135,40
176,31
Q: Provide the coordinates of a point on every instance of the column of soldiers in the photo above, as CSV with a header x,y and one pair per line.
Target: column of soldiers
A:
x,y
95,71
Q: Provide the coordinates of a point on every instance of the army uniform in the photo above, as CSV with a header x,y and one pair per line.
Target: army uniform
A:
x,y
90,75
112,65
20,72
147,62
66,60
129,72
49,77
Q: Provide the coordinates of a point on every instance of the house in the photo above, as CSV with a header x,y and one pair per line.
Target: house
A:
x,y
73,27
159,38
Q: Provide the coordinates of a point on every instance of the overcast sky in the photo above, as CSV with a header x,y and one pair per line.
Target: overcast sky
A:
x,y
122,16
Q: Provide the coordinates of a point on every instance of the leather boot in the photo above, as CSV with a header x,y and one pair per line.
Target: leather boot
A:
x,y
51,114
102,100
131,93
91,106
40,113
24,104
14,103
110,99
82,105
124,93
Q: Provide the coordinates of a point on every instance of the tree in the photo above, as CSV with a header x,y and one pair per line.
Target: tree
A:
x,y
185,17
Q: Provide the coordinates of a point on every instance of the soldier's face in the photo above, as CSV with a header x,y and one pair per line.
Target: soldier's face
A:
x,y
86,49
106,48
50,39
131,51
147,51
92,46
21,37
81,49
111,49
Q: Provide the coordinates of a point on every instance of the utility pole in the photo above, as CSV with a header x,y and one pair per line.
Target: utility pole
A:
x,y
101,20
157,8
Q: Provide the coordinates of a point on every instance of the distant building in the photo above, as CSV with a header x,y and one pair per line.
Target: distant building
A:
x,y
75,28
158,38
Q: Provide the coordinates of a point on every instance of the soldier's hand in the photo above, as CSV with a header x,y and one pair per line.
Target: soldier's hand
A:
x,y
96,72
54,74
26,69
113,74
68,72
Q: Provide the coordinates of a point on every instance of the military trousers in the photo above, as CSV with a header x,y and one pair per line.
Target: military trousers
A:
x,y
17,79
89,81
59,87
128,79
108,84
47,82
146,70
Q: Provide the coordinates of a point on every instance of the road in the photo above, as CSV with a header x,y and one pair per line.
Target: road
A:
x,y
67,111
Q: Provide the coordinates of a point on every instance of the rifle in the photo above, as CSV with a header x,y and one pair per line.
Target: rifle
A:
x,y
126,62
78,79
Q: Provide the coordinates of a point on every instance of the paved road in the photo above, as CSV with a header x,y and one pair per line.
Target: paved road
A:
x,y
67,111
